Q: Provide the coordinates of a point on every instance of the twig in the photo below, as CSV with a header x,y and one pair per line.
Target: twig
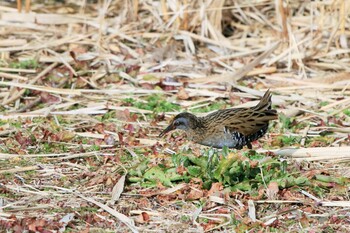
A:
x,y
17,95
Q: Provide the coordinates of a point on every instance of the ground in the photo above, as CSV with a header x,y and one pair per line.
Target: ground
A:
x,y
86,88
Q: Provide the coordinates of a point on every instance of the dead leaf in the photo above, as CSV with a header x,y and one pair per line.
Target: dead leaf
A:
x,y
145,216
182,94
208,226
304,221
100,128
195,194
129,116
181,170
24,141
215,188
118,189
272,190
49,98
65,220
65,136
251,210
121,217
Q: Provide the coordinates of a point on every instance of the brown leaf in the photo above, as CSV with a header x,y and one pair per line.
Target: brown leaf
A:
x,y
215,187
65,136
287,195
120,137
129,116
145,216
48,98
209,225
118,189
147,86
110,127
223,210
32,226
182,94
100,128
194,194
24,141
109,181
304,221
144,202
272,190
253,163
130,128
180,170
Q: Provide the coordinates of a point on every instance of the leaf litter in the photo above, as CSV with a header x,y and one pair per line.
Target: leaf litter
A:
x,y
86,89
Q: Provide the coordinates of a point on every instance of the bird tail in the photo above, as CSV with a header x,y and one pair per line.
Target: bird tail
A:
x,y
265,105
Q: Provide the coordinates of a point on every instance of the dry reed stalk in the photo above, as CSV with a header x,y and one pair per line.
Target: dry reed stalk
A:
x,y
121,217
20,169
13,76
314,154
14,70
17,95
61,91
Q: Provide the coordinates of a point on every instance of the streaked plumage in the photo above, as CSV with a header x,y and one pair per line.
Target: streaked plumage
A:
x,y
234,128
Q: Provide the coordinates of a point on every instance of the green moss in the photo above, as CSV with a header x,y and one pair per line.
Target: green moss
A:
x,y
94,148
185,218
27,64
155,102
288,140
108,115
286,121
324,103
16,124
346,112
46,147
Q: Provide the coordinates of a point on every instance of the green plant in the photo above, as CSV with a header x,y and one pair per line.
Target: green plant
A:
x,y
26,64
245,172
155,103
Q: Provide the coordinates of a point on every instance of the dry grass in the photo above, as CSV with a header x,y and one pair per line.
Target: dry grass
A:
x,y
92,56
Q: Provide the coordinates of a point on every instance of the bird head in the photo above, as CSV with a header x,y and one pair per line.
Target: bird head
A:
x,y
184,121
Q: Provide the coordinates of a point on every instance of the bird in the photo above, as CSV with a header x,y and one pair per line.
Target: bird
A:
x,y
233,127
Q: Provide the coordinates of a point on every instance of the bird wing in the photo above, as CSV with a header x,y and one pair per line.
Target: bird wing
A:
x,y
248,121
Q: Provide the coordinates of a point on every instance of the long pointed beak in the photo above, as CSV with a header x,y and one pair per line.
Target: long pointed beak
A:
x,y
168,129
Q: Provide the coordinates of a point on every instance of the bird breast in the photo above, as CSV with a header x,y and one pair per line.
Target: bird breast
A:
x,y
216,138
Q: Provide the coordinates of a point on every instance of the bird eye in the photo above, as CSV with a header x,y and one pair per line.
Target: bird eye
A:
x,y
176,123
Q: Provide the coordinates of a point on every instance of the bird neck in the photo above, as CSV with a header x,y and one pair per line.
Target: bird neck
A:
x,y
197,122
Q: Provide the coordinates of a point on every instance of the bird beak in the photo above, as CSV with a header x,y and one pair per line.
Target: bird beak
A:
x,y
168,129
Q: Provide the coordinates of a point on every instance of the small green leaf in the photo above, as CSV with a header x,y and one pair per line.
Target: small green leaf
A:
x,y
139,169
301,180
172,175
194,170
330,179
134,179
199,161
242,186
224,166
157,174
